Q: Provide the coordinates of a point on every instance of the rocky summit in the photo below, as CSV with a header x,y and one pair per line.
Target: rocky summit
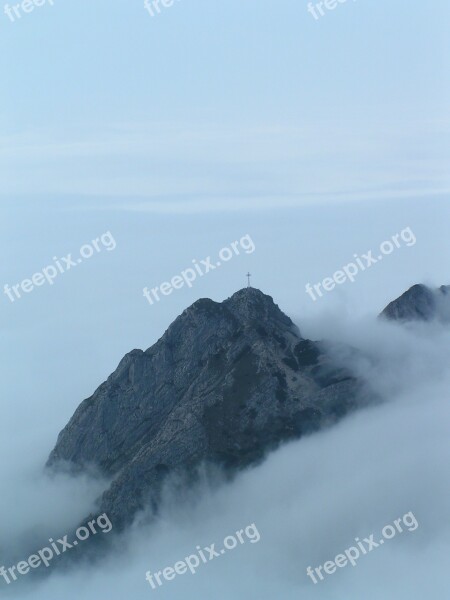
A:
x,y
420,303
224,385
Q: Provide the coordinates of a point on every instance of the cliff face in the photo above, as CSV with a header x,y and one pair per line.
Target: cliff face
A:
x,y
420,303
225,384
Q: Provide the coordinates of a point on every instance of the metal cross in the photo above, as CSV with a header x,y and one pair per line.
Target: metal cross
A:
x,y
248,277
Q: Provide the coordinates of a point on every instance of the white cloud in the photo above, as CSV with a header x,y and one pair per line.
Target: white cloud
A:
x,y
311,498
261,165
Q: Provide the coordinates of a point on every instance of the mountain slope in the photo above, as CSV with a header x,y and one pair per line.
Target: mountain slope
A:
x,y
420,303
225,384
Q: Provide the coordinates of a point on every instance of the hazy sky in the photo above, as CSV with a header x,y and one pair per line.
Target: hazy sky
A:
x,y
224,103
180,134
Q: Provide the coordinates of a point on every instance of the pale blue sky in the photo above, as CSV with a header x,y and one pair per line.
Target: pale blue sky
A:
x,y
180,134
225,101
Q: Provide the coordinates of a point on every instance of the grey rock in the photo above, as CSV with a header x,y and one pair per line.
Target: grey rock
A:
x,y
226,383
420,303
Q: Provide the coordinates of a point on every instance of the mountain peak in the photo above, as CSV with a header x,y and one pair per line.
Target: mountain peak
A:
x,y
420,303
248,307
252,304
249,295
227,383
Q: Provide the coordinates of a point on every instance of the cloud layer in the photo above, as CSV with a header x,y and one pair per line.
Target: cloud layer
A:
x,y
309,500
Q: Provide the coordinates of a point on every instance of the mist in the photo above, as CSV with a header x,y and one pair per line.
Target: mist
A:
x,y
308,501
319,139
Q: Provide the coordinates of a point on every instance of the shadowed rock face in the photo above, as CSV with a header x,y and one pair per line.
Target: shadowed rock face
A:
x,y
420,303
225,384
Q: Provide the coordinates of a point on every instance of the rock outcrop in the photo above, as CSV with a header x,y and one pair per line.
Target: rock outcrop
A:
x,y
225,384
420,303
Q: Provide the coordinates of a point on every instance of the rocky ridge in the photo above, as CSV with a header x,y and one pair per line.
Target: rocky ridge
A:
x,y
420,303
226,383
